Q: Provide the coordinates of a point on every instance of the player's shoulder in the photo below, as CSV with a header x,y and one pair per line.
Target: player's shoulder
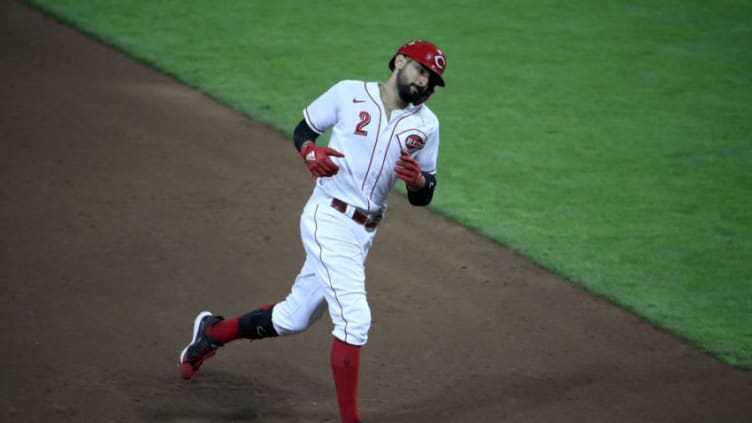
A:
x,y
347,87
428,115
350,84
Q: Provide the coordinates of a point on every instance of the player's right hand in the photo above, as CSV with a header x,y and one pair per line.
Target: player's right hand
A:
x,y
316,158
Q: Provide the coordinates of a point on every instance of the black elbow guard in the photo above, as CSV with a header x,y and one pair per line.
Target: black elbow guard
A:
x,y
423,196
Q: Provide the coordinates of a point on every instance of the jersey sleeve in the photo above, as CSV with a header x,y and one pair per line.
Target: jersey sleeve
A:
x,y
428,157
323,113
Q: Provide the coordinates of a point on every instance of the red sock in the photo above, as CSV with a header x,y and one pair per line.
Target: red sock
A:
x,y
225,331
345,368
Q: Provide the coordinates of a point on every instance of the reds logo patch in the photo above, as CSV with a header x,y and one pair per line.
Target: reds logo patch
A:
x,y
414,142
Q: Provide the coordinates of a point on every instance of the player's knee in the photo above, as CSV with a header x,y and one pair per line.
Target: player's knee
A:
x,y
286,328
287,323
357,334
353,329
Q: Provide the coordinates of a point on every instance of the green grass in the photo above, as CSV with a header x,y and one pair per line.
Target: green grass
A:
x,y
608,142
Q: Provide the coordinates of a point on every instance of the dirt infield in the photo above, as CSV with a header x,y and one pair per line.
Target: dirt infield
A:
x,y
129,203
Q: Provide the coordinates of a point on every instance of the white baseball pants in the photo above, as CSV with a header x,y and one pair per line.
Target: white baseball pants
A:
x,y
333,274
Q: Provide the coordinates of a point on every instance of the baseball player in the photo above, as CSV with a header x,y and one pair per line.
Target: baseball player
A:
x,y
381,132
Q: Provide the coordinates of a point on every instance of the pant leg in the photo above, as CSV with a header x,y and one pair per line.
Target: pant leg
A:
x,y
336,248
304,304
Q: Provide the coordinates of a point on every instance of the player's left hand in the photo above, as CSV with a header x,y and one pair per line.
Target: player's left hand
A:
x,y
408,170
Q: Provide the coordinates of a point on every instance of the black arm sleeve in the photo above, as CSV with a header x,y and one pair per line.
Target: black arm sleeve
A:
x,y
303,133
423,196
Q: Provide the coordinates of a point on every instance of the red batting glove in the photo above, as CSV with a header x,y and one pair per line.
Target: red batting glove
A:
x,y
408,170
316,158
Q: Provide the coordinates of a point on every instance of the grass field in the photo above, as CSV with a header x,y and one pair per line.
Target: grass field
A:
x,y
608,142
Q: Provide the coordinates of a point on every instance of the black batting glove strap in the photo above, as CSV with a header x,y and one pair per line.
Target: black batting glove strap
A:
x,y
423,196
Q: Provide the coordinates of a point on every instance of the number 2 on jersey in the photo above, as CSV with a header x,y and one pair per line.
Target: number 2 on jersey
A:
x,y
365,119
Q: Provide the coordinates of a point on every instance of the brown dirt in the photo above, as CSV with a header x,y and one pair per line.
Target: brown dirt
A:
x,y
130,202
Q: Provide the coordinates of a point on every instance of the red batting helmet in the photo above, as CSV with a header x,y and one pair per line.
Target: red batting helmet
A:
x,y
427,54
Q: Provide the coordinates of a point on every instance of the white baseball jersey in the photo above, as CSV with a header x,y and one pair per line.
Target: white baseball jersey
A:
x,y
370,141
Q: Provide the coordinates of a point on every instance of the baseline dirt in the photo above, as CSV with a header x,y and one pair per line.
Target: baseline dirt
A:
x,y
129,202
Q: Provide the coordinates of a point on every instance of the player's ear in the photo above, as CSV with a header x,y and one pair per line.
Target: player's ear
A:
x,y
399,61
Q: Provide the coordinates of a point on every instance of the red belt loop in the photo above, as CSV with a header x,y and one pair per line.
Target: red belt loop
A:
x,y
357,216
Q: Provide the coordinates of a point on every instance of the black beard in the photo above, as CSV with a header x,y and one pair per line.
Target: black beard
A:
x,y
405,92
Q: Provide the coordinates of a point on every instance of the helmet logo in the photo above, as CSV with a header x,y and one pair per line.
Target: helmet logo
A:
x,y
439,61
